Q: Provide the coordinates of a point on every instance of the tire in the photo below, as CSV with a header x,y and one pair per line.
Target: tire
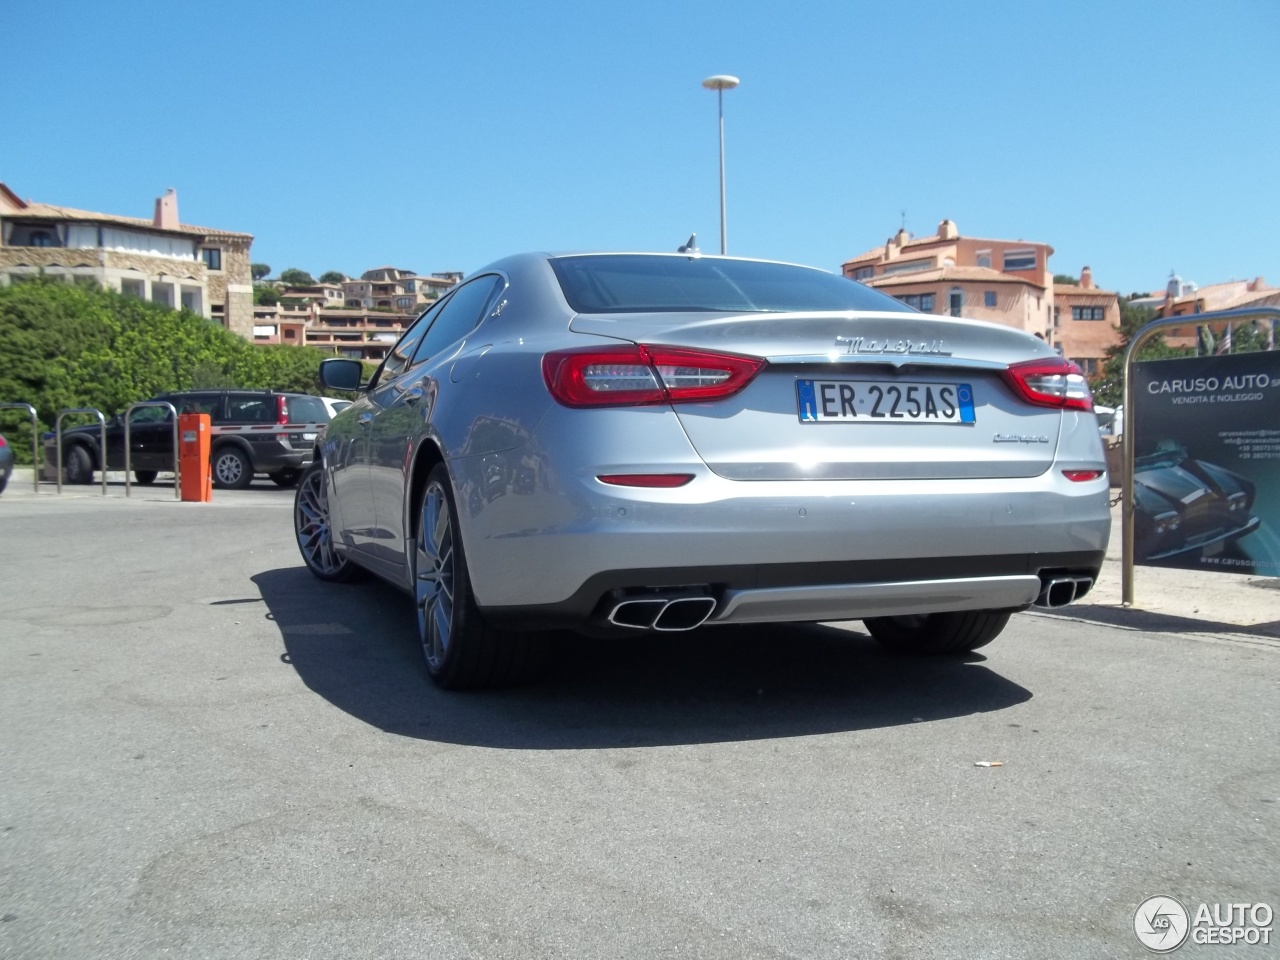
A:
x,y
4,482
145,477
231,468
313,531
77,464
285,478
461,650
934,633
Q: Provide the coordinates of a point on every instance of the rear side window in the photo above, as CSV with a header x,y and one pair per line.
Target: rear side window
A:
x,y
260,409
306,410
459,317
209,403
654,283
401,355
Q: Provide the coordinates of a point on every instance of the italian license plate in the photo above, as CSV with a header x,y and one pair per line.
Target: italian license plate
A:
x,y
872,401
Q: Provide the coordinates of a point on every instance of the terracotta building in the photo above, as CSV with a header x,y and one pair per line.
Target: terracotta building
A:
x,y
394,289
203,269
1086,321
355,318
1000,281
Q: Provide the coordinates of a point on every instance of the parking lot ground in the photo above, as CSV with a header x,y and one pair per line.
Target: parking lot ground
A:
x,y
208,753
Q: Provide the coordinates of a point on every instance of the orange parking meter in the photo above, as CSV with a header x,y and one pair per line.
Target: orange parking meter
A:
x,y
193,457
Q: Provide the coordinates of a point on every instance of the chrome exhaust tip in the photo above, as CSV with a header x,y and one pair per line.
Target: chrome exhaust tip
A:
x,y
1057,592
669,614
685,614
637,614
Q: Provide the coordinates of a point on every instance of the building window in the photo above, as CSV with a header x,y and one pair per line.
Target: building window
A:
x,y
1088,365
984,258
212,257
40,238
864,273
956,301
1086,313
290,334
404,303
1019,260
909,266
919,301
989,298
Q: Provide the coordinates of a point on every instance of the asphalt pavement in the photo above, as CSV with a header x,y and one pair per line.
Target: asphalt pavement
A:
x,y
209,753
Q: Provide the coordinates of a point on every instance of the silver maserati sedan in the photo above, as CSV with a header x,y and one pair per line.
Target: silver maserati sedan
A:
x,y
615,443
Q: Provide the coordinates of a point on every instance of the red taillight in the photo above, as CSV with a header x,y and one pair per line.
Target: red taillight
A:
x,y
282,410
646,479
2,442
1080,476
636,375
1051,383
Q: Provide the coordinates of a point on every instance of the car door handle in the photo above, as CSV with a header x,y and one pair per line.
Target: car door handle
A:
x,y
365,417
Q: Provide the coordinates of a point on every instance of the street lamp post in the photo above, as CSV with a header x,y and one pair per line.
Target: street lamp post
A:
x,y
720,83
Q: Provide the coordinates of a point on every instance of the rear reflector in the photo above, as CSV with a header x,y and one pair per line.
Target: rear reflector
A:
x,y
646,479
1080,476
636,375
1052,382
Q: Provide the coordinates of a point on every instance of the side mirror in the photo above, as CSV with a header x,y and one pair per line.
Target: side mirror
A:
x,y
341,374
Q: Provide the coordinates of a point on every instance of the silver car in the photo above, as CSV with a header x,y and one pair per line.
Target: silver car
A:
x,y
646,442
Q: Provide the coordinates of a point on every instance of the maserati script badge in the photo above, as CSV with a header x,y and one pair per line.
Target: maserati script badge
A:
x,y
886,346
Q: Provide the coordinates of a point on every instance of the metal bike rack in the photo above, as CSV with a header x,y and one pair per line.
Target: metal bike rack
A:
x,y
35,439
1127,506
102,441
128,445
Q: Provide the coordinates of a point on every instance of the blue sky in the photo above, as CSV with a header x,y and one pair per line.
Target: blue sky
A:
x,y
1133,137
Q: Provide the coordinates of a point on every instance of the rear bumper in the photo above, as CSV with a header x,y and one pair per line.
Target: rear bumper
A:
x,y
843,591
554,550
273,456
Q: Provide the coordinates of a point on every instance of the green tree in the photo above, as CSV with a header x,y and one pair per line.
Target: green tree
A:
x,y
1108,385
294,277
70,346
259,271
1066,278
264,294
332,276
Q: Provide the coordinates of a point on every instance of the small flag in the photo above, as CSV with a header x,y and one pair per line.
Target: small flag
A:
x,y
1224,343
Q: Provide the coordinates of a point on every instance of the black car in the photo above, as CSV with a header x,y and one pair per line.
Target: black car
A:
x,y
253,431
1183,504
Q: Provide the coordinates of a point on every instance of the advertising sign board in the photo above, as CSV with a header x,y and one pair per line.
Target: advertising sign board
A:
x,y
1206,476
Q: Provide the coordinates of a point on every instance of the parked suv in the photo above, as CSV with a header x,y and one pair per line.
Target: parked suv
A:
x,y
254,431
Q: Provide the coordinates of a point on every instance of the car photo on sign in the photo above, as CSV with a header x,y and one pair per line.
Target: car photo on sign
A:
x,y
1184,505
631,443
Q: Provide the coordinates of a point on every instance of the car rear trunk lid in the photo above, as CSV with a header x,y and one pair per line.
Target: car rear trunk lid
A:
x,y
850,365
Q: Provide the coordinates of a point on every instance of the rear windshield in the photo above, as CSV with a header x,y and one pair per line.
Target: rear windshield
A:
x,y
651,283
306,410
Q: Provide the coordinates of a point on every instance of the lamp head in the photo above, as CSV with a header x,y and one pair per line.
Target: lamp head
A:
x,y
721,81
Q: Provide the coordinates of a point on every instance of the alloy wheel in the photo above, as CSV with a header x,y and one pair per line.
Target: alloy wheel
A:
x,y
228,469
434,576
311,521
